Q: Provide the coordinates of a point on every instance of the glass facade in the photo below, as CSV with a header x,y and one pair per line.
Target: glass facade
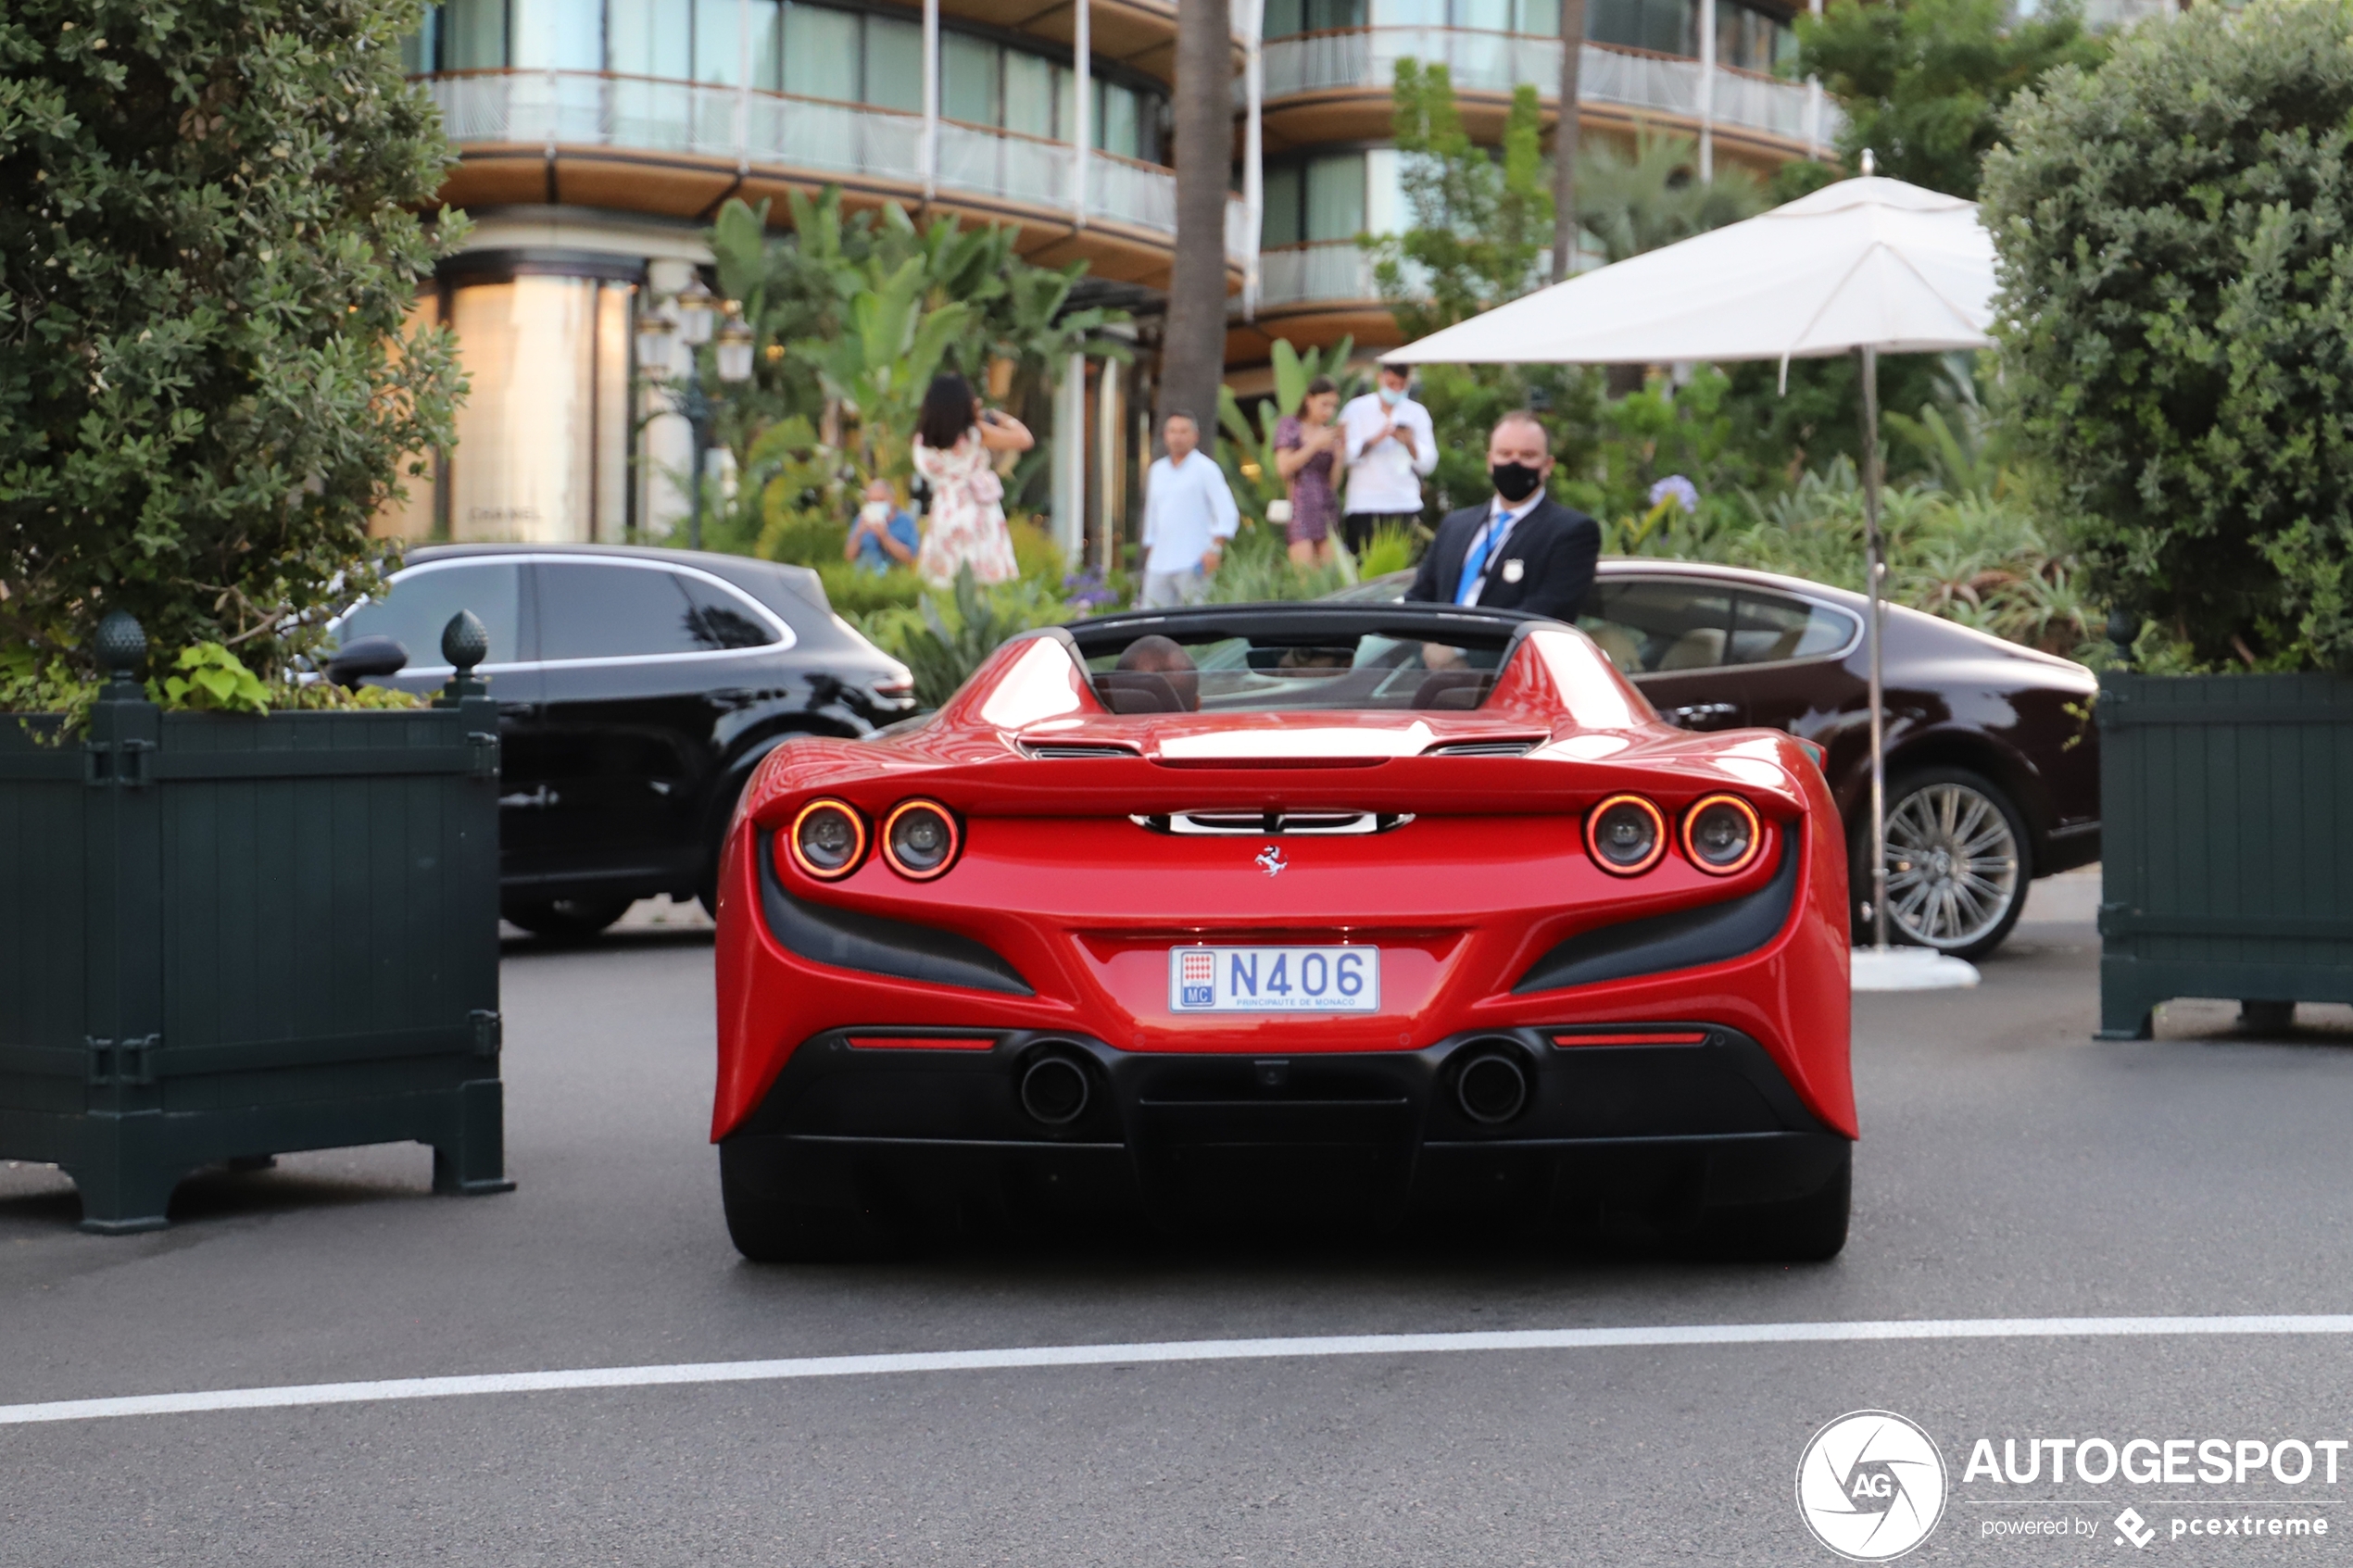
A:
x,y
850,55
543,447
1746,38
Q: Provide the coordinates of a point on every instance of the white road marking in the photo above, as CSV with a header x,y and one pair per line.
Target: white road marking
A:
x,y
1173,1350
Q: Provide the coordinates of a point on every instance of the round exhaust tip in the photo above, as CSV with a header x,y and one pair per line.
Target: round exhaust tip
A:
x,y
1491,1088
1054,1090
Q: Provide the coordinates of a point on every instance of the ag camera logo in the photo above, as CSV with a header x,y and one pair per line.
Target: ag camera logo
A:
x,y
1871,1486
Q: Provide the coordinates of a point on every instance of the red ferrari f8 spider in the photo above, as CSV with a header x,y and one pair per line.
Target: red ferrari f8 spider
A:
x,y
1269,907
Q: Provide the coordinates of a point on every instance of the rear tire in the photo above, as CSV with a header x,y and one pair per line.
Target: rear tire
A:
x,y
1811,1229
1958,863
564,920
767,1229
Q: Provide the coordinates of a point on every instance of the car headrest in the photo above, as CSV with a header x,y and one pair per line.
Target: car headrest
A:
x,y
1138,691
1460,689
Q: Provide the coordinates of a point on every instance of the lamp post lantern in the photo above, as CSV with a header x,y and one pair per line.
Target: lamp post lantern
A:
x,y
691,318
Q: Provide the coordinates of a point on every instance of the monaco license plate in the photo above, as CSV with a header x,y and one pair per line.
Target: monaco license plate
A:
x,y
1274,979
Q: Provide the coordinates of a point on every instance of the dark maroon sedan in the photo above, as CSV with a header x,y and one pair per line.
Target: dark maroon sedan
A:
x,y
1992,762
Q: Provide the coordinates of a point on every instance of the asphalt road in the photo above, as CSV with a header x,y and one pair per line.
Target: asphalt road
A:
x,y
2012,1166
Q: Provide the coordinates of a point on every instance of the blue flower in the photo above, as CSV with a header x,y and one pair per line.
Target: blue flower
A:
x,y
1686,494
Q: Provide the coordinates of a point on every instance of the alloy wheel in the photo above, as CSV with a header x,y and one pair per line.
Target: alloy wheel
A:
x,y
1953,866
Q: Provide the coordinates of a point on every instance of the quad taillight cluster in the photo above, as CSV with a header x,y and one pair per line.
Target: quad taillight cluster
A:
x,y
1626,834
828,839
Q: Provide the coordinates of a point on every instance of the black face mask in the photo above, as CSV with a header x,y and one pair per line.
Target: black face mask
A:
x,y
1514,482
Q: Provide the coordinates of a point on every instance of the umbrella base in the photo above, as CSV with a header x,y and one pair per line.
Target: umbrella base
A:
x,y
1910,969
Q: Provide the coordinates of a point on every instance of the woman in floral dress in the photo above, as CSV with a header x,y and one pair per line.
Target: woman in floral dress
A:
x,y
956,446
1307,448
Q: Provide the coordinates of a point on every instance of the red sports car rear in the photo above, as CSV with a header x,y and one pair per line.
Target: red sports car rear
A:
x,y
1264,908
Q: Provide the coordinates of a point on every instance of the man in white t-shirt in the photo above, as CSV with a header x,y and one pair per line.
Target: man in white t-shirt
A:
x,y
1188,515
1391,447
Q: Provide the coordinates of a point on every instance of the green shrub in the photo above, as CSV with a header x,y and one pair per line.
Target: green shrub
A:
x,y
2176,320
944,640
1392,548
854,593
210,243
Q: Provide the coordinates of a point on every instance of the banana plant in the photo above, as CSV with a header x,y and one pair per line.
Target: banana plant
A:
x,y
1248,453
876,370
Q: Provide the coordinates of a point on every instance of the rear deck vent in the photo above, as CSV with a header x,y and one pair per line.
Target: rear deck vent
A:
x,y
1254,825
1483,748
1074,750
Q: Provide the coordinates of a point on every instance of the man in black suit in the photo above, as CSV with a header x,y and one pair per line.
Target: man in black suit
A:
x,y
1520,549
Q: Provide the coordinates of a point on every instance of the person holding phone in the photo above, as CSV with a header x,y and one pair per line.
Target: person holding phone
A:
x,y
884,533
956,445
1307,452
1392,449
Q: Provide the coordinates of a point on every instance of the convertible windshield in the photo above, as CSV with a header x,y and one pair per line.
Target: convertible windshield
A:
x,y
1295,672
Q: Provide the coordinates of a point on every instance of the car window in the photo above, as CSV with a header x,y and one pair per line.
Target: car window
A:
x,y
1217,671
1768,627
1654,626
591,610
724,619
423,598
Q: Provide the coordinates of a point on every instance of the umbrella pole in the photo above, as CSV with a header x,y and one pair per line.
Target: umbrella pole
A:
x,y
1872,566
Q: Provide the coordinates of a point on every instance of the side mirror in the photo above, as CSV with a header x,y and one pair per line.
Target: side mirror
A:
x,y
363,656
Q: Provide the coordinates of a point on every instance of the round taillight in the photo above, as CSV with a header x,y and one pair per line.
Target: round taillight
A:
x,y
1722,833
827,839
1626,835
919,839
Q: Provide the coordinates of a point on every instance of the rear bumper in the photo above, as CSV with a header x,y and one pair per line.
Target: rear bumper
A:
x,y
1706,1124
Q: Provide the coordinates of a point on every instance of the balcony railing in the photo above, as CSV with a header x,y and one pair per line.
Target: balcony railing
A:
x,y
1497,62
1337,270
814,135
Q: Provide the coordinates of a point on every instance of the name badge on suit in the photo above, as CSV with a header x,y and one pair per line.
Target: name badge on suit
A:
x,y
1513,571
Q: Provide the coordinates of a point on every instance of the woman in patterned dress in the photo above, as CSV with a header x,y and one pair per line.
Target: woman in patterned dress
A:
x,y
1307,447
956,446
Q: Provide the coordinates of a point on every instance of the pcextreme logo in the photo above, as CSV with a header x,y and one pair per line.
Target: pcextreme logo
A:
x,y
1871,1486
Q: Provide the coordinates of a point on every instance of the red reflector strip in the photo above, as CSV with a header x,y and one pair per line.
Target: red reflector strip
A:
x,y
1659,1038
922,1042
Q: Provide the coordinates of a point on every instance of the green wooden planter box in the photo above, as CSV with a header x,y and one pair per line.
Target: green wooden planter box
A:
x,y
2227,849
225,937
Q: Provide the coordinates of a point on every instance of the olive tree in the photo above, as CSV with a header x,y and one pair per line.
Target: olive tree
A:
x,y
211,239
2176,320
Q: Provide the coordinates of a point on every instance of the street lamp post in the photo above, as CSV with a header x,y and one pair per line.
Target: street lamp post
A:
x,y
690,318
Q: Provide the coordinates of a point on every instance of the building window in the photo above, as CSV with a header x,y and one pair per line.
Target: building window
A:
x,y
1317,200
971,79
650,38
474,35
894,64
1287,16
557,34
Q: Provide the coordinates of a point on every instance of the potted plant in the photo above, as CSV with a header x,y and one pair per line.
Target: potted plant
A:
x,y
243,910
2177,335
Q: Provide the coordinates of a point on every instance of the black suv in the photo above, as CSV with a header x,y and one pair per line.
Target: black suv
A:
x,y
637,689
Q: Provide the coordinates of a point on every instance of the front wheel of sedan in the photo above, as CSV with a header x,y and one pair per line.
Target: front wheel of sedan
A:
x,y
1956,864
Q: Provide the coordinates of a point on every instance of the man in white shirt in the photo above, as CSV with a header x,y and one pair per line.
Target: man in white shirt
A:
x,y
1390,449
1188,515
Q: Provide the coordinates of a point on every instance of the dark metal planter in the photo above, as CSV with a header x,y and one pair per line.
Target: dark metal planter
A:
x,y
225,937
2226,810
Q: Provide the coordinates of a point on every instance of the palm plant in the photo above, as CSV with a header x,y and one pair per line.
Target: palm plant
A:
x,y
1641,199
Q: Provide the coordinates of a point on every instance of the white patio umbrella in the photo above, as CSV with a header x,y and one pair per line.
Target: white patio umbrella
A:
x,y
1867,266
